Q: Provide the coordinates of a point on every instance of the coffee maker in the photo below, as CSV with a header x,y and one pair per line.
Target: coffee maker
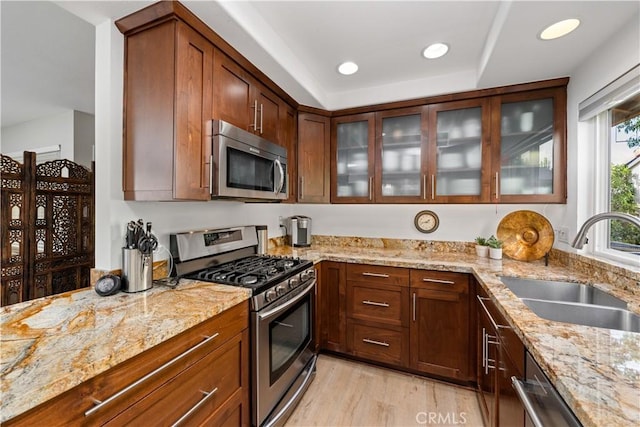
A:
x,y
298,231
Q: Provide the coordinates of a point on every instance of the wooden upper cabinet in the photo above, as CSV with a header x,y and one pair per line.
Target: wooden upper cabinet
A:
x,y
167,101
529,153
194,92
179,74
242,101
313,158
289,140
352,158
232,98
459,151
268,116
401,155
499,145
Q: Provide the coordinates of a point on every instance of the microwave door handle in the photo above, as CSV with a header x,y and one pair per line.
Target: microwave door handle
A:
x,y
277,162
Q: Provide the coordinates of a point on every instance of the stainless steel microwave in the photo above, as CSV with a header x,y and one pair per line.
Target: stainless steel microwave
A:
x,y
246,166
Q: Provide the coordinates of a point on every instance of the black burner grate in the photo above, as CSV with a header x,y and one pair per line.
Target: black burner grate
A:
x,y
253,271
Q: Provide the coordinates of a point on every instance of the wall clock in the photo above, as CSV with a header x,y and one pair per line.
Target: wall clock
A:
x,y
426,221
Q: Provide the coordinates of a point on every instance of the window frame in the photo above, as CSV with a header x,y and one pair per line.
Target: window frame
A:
x,y
602,198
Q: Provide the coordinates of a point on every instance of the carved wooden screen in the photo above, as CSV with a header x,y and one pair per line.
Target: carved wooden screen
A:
x,y
58,233
14,229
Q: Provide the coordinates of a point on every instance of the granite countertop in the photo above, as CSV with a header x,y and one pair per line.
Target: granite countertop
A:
x,y
596,371
52,344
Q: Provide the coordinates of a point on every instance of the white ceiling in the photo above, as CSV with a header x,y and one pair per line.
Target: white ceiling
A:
x,y
299,44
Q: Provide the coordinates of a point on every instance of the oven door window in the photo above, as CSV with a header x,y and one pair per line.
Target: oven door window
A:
x,y
289,335
249,171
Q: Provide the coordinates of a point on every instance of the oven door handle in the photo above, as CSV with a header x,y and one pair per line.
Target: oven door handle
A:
x,y
277,310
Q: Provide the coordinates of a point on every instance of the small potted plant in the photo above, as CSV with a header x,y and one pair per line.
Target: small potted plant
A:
x,y
495,247
482,250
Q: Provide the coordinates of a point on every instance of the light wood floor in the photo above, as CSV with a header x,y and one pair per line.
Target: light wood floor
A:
x,y
346,393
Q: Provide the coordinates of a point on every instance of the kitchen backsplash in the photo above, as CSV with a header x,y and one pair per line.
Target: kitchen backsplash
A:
x,y
429,246
599,271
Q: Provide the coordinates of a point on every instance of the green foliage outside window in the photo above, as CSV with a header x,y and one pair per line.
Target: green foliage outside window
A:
x,y
623,200
632,128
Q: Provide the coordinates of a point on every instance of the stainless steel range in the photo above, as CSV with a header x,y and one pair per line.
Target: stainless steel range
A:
x,y
282,311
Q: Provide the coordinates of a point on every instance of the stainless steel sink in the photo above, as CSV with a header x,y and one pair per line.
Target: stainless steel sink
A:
x,y
585,314
573,303
550,290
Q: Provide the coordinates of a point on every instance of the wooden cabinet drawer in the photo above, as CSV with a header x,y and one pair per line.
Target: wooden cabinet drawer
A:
x,y
387,345
377,303
440,280
205,386
378,274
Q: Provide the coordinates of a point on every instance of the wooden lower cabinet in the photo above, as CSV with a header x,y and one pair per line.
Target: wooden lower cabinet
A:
x,y
199,377
440,339
500,356
418,320
380,343
332,297
377,315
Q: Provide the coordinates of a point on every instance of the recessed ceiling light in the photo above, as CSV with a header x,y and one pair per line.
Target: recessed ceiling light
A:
x,y
435,50
347,68
559,29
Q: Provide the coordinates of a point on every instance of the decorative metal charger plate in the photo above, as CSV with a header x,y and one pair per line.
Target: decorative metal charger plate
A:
x,y
526,235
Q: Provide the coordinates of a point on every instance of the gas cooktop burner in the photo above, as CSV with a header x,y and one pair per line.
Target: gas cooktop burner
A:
x,y
256,272
249,280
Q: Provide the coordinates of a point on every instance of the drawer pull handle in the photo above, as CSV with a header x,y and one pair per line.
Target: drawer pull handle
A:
x,y
497,327
442,282
414,306
207,395
384,276
377,304
100,404
380,343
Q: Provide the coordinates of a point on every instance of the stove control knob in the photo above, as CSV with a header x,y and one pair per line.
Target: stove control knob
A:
x,y
309,274
270,295
293,282
280,289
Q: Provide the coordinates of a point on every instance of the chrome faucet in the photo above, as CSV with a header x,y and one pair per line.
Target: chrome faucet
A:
x,y
581,237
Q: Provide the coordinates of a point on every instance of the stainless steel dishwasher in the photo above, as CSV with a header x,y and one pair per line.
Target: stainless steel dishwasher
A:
x,y
543,405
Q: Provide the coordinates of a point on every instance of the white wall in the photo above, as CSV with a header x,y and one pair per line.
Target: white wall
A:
x,y
84,129
457,222
46,131
72,130
609,61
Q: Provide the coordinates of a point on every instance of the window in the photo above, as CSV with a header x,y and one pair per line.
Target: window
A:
x,y
624,175
613,115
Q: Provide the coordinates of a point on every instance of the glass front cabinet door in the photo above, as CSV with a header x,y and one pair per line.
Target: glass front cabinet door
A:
x,y
529,158
353,158
400,155
459,163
